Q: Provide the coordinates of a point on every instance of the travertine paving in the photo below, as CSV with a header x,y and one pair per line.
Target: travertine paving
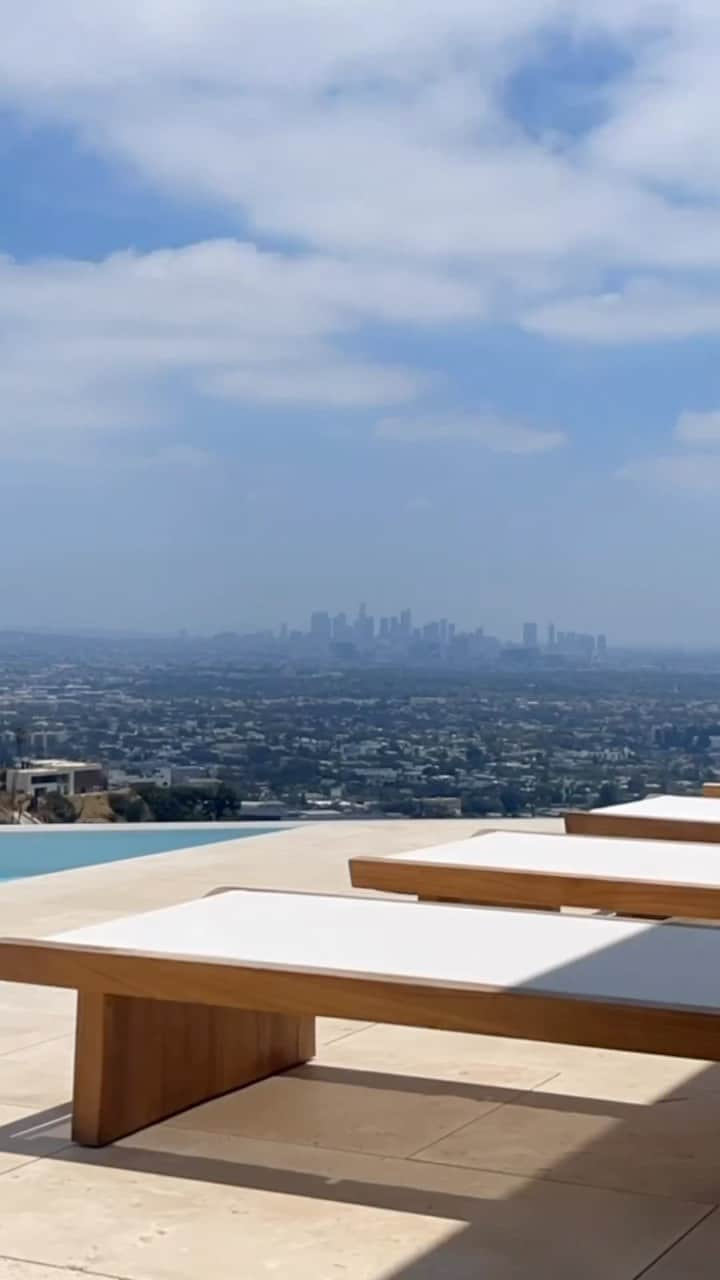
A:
x,y
398,1154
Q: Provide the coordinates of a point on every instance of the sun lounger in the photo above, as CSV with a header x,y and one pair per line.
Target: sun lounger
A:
x,y
180,1005
655,818
524,869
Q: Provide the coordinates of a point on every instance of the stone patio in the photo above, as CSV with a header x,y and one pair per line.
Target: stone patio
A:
x,y
398,1154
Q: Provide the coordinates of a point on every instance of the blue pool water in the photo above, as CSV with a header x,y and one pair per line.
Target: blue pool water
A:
x,y
37,853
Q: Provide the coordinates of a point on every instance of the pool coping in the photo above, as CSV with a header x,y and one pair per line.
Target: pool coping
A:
x,y
76,827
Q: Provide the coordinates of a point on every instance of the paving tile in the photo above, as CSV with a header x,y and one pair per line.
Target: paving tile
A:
x,y
550,1058
26,1134
173,1205
186,1202
38,1076
16,1269
310,856
693,1258
632,1078
330,1029
20,995
426,1056
21,1027
666,1149
31,922
341,1110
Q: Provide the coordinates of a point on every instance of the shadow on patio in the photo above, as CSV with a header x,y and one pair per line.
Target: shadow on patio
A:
x,y
546,1180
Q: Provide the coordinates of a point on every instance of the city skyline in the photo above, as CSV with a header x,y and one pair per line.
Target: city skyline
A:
x,y
338,625
400,632
327,624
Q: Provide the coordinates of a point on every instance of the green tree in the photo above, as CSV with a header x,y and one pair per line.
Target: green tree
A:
x,y
22,740
475,804
55,807
609,793
225,802
512,800
186,803
170,804
129,806
636,784
543,796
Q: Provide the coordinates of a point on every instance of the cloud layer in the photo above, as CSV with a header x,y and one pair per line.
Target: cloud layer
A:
x,y
488,431
102,345
694,467
384,169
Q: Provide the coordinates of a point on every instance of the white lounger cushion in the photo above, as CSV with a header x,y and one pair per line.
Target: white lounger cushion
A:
x,y
681,808
652,861
590,957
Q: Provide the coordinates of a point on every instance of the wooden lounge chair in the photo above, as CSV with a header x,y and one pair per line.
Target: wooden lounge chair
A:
x,y
524,869
711,790
180,1005
655,818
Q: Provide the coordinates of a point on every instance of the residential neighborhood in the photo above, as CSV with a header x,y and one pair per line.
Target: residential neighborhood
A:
x,y
345,742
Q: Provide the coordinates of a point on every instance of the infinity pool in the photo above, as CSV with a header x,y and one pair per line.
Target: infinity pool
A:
x,y
27,851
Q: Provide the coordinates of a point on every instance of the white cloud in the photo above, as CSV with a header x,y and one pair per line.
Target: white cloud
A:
x,y
698,428
341,385
184,457
377,142
115,343
489,431
690,473
645,310
379,177
662,127
695,470
371,128
61,46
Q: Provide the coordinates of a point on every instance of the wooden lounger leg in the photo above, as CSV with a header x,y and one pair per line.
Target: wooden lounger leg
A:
x,y
138,1061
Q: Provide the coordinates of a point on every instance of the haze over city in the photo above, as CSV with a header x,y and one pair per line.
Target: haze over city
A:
x,y
305,304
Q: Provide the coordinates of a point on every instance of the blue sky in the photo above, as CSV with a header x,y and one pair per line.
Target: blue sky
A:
x,y
312,302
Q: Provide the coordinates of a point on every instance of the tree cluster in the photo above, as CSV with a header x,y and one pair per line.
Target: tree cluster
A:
x,y
183,803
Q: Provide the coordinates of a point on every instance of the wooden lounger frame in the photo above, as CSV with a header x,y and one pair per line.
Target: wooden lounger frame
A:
x,y
498,886
635,827
158,1033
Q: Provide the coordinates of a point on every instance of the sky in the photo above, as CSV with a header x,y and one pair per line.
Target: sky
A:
x,y
309,302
